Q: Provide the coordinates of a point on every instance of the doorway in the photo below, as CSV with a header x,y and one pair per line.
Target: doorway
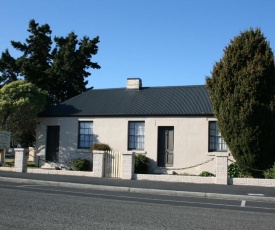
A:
x,y
165,146
52,145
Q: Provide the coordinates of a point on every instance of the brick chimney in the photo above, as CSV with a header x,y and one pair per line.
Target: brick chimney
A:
x,y
134,83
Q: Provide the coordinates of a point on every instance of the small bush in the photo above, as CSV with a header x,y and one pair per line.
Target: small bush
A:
x,y
102,147
141,164
270,173
80,164
234,171
206,174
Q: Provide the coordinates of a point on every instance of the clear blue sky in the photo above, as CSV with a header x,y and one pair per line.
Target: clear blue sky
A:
x,y
163,42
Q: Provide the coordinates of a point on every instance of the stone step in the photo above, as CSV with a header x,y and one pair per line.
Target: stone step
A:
x,y
48,166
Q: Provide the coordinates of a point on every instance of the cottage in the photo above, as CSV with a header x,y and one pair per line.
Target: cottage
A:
x,y
174,126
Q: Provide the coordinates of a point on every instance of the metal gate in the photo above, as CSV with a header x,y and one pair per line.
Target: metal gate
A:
x,y
113,163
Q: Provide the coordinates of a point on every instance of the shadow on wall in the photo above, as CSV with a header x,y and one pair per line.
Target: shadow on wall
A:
x,y
71,152
57,111
68,146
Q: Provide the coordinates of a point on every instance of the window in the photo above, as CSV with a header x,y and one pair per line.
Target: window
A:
x,y
216,142
85,135
136,135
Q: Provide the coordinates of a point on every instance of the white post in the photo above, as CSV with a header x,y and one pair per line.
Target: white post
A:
x,y
128,162
20,164
222,168
32,154
98,163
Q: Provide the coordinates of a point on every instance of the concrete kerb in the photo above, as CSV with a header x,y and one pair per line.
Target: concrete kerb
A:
x,y
65,184
201,195
167,192
140,190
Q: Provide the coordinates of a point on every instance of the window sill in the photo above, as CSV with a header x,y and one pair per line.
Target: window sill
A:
x,y
219,154
83,150
137,151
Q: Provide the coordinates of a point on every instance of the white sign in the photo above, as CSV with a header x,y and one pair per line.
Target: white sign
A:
x,y
5,140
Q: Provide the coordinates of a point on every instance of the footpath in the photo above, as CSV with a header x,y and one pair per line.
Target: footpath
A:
x,y
231,192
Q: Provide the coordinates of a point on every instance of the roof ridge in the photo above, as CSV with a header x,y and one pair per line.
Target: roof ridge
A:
x,y
152,87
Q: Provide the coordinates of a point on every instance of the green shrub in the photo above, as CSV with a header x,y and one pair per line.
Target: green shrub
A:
x,y
234,171
80,164
141,164
206,174
102,147
270,173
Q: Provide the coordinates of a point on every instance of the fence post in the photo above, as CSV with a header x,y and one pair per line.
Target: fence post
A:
x,y
98,163
128,163
222,168
20,164
32,154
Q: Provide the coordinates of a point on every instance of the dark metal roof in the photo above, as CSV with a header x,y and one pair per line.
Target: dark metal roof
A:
x,y
148,101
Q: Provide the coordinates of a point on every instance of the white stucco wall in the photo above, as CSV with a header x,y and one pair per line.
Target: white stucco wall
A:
x,y
190,139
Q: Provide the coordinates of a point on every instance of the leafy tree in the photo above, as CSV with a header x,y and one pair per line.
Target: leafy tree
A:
x,y
242,92
60,70
20,102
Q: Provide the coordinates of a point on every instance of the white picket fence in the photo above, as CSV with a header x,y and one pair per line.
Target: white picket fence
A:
x,y
113,164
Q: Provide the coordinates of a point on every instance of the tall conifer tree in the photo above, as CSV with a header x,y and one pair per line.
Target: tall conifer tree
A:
x,y
61,70
242,90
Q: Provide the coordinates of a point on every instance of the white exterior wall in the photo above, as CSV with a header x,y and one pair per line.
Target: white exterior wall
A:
x,y
190,139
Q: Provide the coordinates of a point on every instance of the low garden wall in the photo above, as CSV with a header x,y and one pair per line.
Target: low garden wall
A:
x,y
128,171
252,182
164,178
61,172
51,171
175,178
7,169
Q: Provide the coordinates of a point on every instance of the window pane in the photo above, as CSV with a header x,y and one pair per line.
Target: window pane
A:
x,y
212,125
136,135
132,131
131,146
82,125
85,134
212,132
212,146
90,125
216,142
132,125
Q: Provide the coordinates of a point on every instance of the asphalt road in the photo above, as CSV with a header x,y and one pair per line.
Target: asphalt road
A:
x,y
26,206
209,190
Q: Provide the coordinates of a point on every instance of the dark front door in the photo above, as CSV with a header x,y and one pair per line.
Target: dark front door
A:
x,y
165,146
52,145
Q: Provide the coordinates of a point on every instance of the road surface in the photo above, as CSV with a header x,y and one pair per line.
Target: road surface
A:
x,y
29,207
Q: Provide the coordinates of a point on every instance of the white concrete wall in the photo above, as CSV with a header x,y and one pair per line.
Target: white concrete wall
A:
x,y
176,178
68,138
166,178
190,139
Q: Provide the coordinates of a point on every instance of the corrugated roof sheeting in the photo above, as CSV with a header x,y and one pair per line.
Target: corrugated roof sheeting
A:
x,y
148,101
